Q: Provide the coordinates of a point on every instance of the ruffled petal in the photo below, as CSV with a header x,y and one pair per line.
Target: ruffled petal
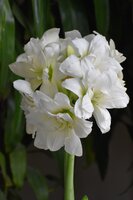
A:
x,y
87,105
74,85
73,34
52,35
81,45
89,37
41,140
50,89
73,145
62,100
82,127
78,108
22,69
103,119
71,66
46,103
116,54
116,98
33,47
23,86
99,46
83,107
55,140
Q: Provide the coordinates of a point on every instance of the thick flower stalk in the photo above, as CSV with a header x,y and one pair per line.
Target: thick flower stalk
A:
x,y
66,82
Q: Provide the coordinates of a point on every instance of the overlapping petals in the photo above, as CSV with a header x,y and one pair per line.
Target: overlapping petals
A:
x,y
67,81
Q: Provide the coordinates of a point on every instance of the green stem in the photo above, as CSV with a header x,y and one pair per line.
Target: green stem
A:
x,y
68,177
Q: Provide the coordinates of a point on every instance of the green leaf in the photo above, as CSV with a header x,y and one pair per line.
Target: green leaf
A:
x,y
7,180
2,196
43,18
85,197
18,163
102,15
13,124
18,14
7,37
38,184
74,15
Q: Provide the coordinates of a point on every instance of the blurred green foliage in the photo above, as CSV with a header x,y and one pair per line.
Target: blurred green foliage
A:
x,y
20,20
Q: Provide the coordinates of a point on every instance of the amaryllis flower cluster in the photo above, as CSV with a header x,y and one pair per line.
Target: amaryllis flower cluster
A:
x,y
65,83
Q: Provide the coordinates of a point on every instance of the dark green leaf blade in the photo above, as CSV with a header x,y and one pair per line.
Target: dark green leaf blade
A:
x,y
102,15
74,16
7,180
7,42
18,165
43,18
38,184
13,128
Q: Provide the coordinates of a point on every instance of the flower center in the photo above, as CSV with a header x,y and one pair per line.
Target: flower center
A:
x,y
63,124
96,98
38,72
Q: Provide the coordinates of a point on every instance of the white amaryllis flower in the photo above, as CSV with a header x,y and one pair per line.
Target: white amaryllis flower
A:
x,y
52,120
56,124
34,65
97,92
66,82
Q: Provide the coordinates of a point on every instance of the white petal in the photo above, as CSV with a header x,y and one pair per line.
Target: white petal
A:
x,y
109,63
82,45
73,145
51,52
106,81
46,103
40,95
23,86
116,54
116,98
50,89
62,100
71,66
41,140
83,107
73,34
99,46
22,69
103,119
74,85
87,105
52,35
89,37
86,65
82,127
32,47
22,58
55,140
